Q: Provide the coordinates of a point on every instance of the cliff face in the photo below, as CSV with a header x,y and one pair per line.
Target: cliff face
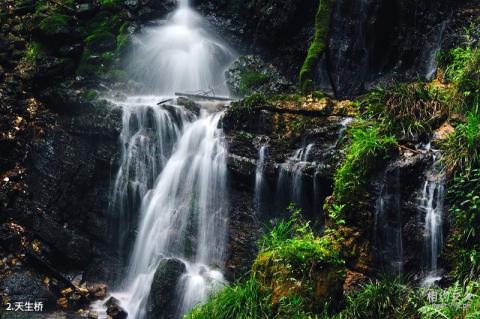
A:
x,y
59,143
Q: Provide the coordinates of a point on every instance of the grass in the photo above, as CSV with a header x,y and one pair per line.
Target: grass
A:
x,y
367,147
387,298
280,283
464,201
318,44
454,302
33,52
461,149
406,110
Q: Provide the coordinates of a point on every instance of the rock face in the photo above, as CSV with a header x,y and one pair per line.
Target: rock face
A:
x,y
160,304
377,40
26,287
250,74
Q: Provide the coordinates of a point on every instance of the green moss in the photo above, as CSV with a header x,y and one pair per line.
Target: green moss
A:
x,y
318,44
366,150
123,37
251,79
55,23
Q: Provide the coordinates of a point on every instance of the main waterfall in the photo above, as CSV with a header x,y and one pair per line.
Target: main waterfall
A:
x,y
170,191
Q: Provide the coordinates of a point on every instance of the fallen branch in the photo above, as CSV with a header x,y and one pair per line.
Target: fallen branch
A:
x,y
164,101
204,97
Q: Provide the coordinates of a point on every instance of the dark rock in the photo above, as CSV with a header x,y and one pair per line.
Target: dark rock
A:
x,y
102,42
24,286
189,105
161,305
51,68
86,10
249,74
114,310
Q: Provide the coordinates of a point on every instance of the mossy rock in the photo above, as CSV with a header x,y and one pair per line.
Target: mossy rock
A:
x,y
56,26
101,42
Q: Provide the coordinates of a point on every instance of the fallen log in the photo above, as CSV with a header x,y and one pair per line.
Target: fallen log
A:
x,y
164,101
204,97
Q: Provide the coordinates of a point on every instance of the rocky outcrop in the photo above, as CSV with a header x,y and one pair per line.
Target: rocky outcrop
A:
x,y
250,74
160,304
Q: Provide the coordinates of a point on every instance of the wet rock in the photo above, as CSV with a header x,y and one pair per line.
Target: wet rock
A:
x,y
25,286
51,68
103,42
114,310
249,74
189,105
86,10
160,303
97,291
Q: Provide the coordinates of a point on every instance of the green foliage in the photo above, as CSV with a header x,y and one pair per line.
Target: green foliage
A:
x,y
251,79
294,242
55,23
462,67
241,300
405,109
464,199
318,44
33,52
111,4
461,149
123,37
290,242
90,94
452,303
387,298
366,148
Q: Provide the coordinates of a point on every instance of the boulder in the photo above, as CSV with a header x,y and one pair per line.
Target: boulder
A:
x,y
114,310
249,74
161,304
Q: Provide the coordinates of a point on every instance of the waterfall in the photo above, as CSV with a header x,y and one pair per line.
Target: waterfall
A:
x,y
290,179
191,190
431,203
259,180
181,55
169,197
147,138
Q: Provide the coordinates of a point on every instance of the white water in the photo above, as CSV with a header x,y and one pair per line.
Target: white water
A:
x,y
171,186
180,56
431,202
259,179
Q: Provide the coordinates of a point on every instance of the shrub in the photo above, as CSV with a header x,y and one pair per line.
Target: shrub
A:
x,y
366,148
280,284
387,298
318,44
464,199
33,52
462,68
461,149
405,109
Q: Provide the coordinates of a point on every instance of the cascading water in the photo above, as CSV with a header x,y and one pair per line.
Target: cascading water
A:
x,y
290,179
259,180
173,170
147,138
431,202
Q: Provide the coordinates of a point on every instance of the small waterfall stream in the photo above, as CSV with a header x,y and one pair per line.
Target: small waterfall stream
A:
x,y
170,193
259,178
431,203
